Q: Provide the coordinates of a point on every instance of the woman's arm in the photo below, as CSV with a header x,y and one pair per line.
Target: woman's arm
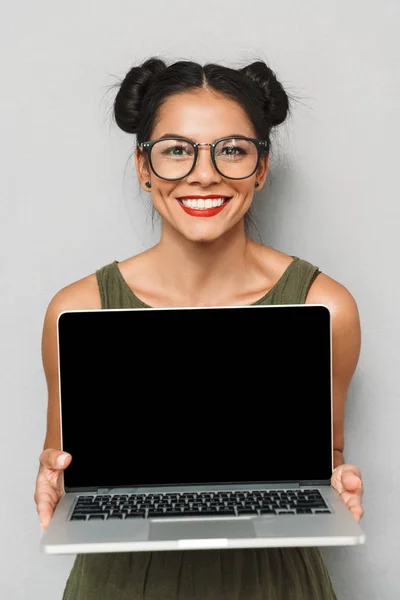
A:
x,y
80,295
346,342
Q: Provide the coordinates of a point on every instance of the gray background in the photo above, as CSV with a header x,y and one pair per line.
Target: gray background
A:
x,y
70,203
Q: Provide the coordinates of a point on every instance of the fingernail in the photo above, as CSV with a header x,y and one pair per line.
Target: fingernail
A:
x,y
61,459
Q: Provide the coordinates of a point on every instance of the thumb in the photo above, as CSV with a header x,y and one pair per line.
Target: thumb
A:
x,y
54,459
350,481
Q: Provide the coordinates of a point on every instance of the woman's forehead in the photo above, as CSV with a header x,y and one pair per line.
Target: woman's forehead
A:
x,y
199,114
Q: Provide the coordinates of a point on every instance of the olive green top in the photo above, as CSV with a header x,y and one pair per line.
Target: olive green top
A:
x,y
291,288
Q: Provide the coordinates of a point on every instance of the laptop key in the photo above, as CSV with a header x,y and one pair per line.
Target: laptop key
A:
x,y
210,513
88,510
78,518
191,512
99,517
226,511
304,504
155,513
136,515
245,510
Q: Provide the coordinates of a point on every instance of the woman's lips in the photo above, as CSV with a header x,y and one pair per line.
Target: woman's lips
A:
x,y
204,212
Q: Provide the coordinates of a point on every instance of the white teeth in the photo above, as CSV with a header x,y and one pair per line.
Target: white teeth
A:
x,y
201,204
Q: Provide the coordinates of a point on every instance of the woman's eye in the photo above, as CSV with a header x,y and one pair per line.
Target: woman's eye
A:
x,y
178,151
232,150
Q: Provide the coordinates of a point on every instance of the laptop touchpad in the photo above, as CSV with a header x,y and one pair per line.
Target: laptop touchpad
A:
x,y
201,530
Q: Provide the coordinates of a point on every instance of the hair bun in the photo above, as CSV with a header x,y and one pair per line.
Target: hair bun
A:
x,y
276,100
133,88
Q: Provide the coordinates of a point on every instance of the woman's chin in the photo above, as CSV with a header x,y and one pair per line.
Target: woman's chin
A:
x,y
201,237
205,232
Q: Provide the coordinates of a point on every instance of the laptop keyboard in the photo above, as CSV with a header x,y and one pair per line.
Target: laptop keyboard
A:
x,y
218,504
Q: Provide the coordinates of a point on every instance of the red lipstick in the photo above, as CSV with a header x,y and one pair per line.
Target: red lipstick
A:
x,y
204,212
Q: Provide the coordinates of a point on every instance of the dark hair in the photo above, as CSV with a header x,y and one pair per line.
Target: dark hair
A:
x,y
145,87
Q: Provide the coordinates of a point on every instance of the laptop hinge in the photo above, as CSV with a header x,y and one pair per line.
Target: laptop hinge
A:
x,y
308,483
315,482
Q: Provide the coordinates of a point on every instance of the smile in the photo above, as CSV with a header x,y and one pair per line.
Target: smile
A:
x,y
203,207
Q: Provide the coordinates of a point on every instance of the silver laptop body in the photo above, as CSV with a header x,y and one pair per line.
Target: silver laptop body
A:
x,y
197,428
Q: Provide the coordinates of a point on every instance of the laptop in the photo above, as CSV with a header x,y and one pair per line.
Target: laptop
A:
x,y
197,428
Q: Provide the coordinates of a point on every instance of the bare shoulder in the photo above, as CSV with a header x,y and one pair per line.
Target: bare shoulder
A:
x,y
334,295
324,289
80,295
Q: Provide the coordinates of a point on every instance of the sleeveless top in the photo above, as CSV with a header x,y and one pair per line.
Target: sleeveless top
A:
x,y
250,574
291,288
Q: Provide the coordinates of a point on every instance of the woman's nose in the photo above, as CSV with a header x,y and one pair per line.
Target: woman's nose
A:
x,y
204,170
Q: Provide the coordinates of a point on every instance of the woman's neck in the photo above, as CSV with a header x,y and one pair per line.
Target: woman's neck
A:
x,y
200,272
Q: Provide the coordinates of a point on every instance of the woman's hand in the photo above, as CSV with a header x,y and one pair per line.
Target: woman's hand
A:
x,y
346,479
49,483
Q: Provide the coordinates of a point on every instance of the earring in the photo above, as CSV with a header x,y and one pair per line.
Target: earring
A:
x,y
148,184
256,184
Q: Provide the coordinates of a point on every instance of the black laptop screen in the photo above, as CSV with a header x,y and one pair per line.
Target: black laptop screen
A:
x,y
186,396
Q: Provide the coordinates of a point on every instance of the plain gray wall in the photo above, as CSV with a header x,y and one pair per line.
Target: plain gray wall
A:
x,y
70,203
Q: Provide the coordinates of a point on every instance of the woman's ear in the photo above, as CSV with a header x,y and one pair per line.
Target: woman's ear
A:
x,y
142,168
262,171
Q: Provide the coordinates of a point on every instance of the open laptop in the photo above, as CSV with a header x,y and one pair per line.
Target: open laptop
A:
x,y
197,428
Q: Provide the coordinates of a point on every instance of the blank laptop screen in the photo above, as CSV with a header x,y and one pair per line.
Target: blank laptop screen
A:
x,y
190,396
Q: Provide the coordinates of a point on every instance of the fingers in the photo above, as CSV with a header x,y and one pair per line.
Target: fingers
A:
x,y
46,499
54,459
49,483
346,479
45,511
353,503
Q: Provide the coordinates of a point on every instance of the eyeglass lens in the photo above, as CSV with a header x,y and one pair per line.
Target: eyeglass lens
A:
x,y
173,159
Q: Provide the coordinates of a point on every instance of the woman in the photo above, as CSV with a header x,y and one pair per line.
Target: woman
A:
x,y
202,186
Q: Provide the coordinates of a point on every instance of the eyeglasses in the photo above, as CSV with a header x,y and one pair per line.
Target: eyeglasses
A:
x,y
233,157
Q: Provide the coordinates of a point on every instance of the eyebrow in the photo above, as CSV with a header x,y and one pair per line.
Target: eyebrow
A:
x,y
177,135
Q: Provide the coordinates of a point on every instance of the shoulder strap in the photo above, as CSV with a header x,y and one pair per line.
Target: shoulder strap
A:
x,y
295,283
114,291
